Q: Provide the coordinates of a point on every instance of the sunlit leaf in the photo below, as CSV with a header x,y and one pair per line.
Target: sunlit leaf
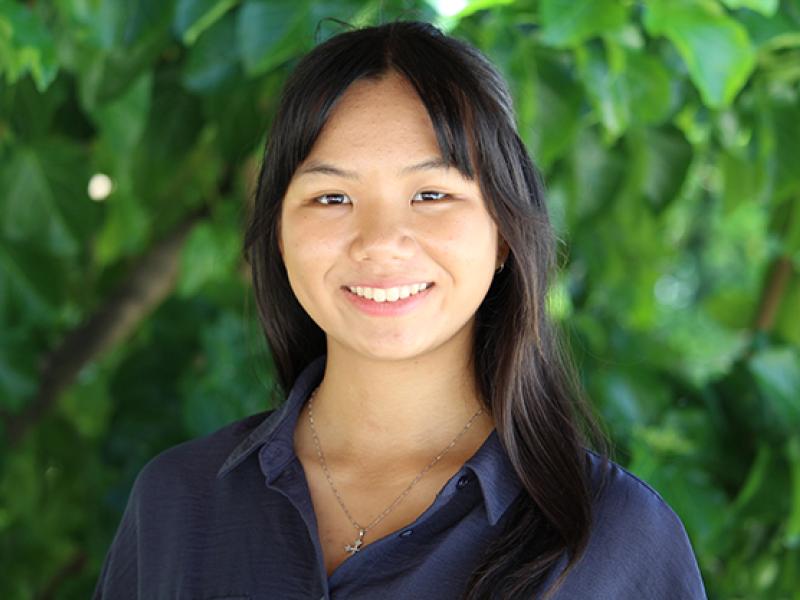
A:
x,y
777,371
765,7
25,45
193,17
717,50
571,22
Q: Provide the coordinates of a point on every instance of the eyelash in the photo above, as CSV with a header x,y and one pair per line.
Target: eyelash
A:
x,y
315,200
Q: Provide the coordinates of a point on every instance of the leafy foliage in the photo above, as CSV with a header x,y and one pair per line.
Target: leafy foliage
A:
x,y
667,131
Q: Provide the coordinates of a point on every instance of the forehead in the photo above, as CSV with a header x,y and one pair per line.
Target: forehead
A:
x,y
383,117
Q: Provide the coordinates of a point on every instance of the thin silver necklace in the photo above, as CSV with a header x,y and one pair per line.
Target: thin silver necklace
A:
x,y
356,546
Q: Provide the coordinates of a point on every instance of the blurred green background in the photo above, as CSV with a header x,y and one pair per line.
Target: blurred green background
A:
x,y
668,133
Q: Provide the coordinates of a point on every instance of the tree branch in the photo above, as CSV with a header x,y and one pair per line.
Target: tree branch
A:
x,y
779,275
75,565
149,283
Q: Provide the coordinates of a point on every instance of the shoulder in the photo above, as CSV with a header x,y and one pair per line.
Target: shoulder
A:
x,y
170,493
623,500
193,464
638,546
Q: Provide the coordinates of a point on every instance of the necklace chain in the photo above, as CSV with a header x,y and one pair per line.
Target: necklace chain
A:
x,y
353,548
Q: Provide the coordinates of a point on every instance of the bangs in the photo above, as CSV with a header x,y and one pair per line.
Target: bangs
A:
x,y
447,87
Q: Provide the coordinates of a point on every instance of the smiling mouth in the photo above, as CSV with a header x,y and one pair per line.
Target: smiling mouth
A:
x,y
388,295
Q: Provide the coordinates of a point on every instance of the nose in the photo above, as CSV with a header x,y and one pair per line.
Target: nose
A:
x,y
384,232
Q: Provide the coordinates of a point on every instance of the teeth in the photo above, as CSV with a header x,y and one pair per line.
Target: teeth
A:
x,y
389,294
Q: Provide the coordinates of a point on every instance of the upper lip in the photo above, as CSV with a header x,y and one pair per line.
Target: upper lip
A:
x,y
388,283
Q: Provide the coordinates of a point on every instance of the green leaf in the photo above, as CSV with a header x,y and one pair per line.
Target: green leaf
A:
x,y
265,32
193,17
214,58
716,49
597,173
145,35
755,478
174,131
777,373
238,115
31,112
774,31
629,399
87,403
221,385
743,181
32,283
210,254
125,231
784,116
648,85
18,369
29,207
626,87
556,119
607,90
793,522
663,156
25,45
568,23
765,7
121,123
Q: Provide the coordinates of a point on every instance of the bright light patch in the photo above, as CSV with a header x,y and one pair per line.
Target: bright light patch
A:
x,y
449,8
100,186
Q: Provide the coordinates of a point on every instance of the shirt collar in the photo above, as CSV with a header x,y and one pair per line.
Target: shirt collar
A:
x,y
274,436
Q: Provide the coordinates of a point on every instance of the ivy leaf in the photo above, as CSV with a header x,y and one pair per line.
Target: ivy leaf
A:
x,y
125,231
624,86
193,17
556,120
26,45
214,58
568,23
18,372
777,373
221,385
716,49
29,206
32,283
263,32
664,156
210,253
765,7
784,116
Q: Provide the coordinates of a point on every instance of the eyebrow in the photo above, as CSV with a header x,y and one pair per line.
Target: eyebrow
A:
x,y
321,168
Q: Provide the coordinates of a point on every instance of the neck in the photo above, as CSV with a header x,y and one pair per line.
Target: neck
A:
x,y
394,413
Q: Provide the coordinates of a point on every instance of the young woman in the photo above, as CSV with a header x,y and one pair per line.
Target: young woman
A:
x,y
432,442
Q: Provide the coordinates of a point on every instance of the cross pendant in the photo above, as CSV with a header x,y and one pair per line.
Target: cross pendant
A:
x,y
356,546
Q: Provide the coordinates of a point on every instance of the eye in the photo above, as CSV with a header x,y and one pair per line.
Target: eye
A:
x,y
441,195
329,199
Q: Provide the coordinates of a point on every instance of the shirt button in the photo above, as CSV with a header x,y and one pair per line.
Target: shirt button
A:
x,y
407,533
463,481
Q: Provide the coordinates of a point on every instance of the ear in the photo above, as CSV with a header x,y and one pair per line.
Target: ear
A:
x,y
502,252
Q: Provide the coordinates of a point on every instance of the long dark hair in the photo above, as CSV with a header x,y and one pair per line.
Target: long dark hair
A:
x,y
531,390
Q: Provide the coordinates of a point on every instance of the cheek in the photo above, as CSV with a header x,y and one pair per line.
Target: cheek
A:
x,y
308,248
470,237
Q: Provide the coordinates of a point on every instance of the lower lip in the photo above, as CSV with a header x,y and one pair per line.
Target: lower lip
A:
x,y
388,309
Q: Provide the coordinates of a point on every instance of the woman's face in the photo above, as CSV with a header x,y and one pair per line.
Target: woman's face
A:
x,y
370,207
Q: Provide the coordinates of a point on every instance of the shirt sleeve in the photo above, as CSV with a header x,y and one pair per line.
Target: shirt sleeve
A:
x,y
638,548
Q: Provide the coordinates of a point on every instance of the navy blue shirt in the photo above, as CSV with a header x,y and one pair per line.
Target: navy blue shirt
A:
x,y
229,516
